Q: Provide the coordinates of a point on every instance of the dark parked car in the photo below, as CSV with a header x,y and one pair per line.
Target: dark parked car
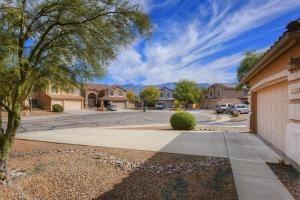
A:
x,y
111,107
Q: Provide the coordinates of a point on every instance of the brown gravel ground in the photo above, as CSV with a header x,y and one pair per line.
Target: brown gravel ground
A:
x,y
289,177
60,171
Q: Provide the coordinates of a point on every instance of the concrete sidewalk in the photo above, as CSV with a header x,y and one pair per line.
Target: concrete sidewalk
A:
x,y
247,153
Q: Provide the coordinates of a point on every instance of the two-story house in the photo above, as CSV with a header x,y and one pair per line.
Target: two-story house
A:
x,y
220,93
166,98
99,95
53,95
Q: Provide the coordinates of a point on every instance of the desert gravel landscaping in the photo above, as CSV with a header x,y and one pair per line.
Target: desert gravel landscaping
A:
x,y
42,170
289,177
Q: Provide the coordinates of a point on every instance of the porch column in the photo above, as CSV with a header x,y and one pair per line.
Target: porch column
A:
x,y
86,100
253,112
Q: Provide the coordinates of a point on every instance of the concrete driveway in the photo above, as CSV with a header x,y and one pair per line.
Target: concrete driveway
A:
x,y
247,153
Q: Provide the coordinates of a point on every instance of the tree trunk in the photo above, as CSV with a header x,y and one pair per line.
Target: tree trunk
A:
x,y
1,129
6,141
3,170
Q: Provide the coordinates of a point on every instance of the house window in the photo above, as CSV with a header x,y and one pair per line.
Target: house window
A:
x,y
168,95
54,89
74,91
219,93
210,93
111,93
120,93
161,95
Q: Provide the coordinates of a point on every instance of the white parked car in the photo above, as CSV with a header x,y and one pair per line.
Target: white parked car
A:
x,y
222,108
159,106
240,108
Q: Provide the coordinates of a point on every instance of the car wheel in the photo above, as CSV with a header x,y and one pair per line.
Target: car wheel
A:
x,y
224,112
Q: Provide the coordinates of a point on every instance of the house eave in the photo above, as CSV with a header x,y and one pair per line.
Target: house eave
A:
x,y
285,42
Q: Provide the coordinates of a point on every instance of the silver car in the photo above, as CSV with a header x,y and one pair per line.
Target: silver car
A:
x,y
222,108
240,108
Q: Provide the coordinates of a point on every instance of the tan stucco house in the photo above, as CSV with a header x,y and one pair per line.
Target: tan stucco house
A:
x,y
99,95
53,95
275,94
166,98
220,93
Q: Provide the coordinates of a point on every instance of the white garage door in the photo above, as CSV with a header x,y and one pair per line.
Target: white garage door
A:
x,y
119,104
272,113
72,105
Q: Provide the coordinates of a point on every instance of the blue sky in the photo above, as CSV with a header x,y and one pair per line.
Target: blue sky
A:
x,y
200,40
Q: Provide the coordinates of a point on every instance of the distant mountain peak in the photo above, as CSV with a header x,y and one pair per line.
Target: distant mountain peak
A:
x,y
136,88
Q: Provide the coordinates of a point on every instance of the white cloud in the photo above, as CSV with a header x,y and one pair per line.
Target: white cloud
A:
x,y
187,45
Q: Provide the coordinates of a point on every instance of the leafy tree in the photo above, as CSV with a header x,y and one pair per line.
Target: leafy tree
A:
x,y
130,94
187,92
251,58
132,97
150,95
135,99
61,42
201,93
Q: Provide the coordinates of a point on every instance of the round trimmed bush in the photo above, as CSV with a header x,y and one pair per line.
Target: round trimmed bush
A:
x,y
183,121
57,108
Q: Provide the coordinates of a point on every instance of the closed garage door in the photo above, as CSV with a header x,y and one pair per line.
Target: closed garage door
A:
x,y
119,104
72,105
272,112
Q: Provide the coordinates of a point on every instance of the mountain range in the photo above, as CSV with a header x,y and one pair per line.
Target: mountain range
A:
x,y
138,88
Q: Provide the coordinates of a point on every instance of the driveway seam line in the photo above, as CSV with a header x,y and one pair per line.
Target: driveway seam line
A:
x,y
226,146
263,177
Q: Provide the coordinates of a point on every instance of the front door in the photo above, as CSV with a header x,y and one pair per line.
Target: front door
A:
x,y
92,100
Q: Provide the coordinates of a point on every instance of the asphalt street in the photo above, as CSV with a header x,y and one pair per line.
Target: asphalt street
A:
x,y
100,120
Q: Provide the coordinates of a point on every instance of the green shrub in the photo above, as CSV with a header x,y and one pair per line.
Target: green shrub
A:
x,y
183,121
57,108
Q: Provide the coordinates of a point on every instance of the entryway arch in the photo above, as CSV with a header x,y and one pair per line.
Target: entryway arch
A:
x,y
92,100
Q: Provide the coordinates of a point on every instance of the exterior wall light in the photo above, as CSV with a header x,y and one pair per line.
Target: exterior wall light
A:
x,y
294,64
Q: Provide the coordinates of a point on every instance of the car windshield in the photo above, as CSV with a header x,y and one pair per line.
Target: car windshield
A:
x,y
241,106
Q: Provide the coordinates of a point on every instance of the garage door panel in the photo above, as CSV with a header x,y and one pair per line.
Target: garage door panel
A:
x,y
272,112
72,105
120,104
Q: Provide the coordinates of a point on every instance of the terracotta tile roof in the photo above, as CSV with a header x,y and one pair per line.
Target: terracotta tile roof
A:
x,y
97,87
166,88
114,98
65,97
118,86
225,85
292,30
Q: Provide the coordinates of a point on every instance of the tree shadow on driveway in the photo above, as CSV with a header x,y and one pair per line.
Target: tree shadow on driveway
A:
x,y
171,176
